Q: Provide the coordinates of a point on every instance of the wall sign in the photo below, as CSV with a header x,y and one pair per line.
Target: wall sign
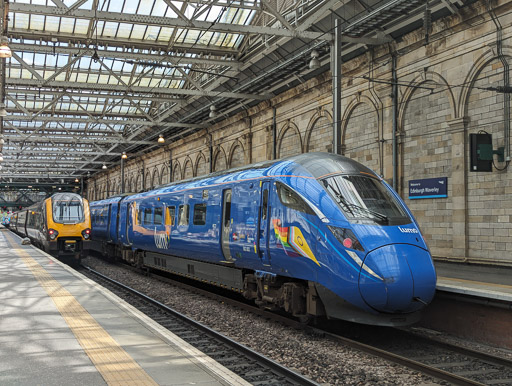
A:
x,y
428,188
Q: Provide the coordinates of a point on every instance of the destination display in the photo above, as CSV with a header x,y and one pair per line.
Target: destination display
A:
x,y
428,188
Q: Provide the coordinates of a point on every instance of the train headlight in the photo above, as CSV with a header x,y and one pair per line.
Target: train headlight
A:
x,y
53,234
347,238
86,233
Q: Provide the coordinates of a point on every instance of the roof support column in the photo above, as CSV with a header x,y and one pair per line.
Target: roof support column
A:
x,y
336,63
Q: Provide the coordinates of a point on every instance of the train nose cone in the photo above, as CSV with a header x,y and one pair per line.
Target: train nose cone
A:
x,y
397,278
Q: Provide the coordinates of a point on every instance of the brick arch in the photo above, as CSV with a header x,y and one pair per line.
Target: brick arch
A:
x,y
200,167
138,182
131,184
318,132
236,155
219,159
289,141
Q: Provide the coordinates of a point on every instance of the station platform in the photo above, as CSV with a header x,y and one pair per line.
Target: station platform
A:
x,y
482,281
59,328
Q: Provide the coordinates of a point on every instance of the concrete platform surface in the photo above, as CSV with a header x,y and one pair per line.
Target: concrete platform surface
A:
x,y
489,282
59,328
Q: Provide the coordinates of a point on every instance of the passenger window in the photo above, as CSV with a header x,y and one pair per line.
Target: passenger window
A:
x,y
183,215
199,214
158,215
147,216
292,200
170,214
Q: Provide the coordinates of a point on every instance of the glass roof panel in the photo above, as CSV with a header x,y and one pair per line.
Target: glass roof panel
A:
x,y
37,22
138,31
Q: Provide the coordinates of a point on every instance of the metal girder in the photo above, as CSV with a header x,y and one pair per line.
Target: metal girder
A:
x,y
138,89
182,60
98,121
55,139
76,151
14,90
161,21
53,161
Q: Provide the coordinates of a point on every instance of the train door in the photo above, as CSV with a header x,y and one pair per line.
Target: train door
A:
x,y
263,223
129,222
109,236
226,224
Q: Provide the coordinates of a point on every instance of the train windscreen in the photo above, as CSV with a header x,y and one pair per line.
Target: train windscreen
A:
x,y
68,208
367,199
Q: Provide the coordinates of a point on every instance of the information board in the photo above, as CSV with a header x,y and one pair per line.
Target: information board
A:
x,y
428,188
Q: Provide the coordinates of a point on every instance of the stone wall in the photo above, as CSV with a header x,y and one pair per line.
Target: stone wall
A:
x,y
442,99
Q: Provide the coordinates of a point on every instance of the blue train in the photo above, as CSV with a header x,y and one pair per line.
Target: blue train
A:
x,y
314,235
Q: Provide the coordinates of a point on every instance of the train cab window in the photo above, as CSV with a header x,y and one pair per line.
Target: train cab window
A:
x,y
199,214
170,215
183,215
292,200
147,216
158,216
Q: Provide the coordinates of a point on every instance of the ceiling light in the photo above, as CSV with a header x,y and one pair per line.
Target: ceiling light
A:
x,y
161,139
5,51
76,180
314,62
124,156
104,166
1,157
213,111
3,111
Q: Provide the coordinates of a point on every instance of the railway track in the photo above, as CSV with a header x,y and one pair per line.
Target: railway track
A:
x,y
246,363
446,362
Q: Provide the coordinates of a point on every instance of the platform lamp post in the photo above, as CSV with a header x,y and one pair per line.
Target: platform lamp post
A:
x,y
123,157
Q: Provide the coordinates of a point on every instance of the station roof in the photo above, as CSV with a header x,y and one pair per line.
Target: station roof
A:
x,y
91,79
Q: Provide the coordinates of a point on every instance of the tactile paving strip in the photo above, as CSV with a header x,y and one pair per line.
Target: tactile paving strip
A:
x,y
111,360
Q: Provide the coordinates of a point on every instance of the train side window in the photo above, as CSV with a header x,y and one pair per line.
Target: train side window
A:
x,y
292,200
158,216
199,214
183,215
147,216
170,215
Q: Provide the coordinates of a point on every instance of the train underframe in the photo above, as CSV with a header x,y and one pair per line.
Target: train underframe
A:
x,y
267,290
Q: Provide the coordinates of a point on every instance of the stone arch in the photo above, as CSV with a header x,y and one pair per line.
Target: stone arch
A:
x,y
319,132
201,166
289,141
131,185
155,178
422,80
138,182
147,179
476,69
236,155
176,171
188,169
360,132
425,151
164,174
484,110
219,159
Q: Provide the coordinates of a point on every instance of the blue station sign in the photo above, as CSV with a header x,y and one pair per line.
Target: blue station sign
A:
x,y
428,188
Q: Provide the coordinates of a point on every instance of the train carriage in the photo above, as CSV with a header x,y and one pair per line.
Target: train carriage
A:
x,y
60,225
315,234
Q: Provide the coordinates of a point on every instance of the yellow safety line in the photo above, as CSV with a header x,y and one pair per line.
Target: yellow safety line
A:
x,y
475,282
111,360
